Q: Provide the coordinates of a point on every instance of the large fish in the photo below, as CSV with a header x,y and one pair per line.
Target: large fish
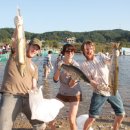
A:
x,y
114,69
75,72
20,47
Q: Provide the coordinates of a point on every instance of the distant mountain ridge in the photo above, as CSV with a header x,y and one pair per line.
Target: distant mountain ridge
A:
x,y
100,36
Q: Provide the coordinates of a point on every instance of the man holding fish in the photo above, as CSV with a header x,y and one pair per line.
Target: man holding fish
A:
x,y
20,76
96,69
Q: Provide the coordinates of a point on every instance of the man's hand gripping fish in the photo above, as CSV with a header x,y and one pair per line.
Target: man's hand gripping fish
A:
x,y
21,44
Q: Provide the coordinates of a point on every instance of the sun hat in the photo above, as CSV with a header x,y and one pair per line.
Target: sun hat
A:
x,y
36,41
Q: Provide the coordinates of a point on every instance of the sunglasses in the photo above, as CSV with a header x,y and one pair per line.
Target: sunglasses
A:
x,y
69,50
36,47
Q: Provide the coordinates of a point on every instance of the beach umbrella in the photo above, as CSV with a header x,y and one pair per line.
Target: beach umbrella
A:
x,y
81,120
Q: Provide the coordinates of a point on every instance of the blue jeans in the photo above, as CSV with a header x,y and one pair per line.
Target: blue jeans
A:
x,y
10,107
97,102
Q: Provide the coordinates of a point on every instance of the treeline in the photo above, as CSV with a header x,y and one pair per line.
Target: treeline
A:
x,y
102,38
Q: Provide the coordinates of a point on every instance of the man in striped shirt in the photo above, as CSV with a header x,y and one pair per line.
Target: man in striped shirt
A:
x,y
96,69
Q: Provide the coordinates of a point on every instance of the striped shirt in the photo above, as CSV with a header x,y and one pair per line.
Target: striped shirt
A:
x,y
97,70
47,60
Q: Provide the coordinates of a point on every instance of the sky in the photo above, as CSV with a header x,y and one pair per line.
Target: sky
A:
x,y
67,15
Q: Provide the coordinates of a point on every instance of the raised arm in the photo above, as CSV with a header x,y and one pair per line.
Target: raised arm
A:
x,y
18,21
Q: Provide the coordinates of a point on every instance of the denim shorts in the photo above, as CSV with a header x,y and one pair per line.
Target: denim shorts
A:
x,y
98,101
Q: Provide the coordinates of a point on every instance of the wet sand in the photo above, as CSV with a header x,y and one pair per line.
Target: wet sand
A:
x,y
103,123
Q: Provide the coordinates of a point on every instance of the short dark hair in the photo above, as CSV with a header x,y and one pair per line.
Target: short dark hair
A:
x,y
67,46
49,52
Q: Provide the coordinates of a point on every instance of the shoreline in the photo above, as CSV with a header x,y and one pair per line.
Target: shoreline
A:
x,y
103,123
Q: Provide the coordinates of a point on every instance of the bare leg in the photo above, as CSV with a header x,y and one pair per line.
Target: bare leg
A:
x,y
88,123
52,125
72,115
47,72
117,122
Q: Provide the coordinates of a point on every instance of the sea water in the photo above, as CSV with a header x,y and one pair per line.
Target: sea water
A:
x,y
51,88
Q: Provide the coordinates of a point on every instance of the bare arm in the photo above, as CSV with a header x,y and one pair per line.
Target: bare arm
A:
x,y
50,64
18,21
34,84
56,75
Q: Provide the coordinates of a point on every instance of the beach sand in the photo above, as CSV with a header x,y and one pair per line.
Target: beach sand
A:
x,y
103,123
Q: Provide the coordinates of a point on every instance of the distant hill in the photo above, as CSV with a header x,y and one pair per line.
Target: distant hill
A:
x,y
99,36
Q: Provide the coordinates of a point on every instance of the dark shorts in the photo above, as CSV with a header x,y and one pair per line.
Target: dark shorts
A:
x,y
97,102
69,98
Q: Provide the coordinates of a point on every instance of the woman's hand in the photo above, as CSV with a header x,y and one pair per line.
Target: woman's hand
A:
x,y
72,83
60,64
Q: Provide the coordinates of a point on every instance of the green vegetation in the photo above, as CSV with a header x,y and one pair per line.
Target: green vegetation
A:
x,y
55,39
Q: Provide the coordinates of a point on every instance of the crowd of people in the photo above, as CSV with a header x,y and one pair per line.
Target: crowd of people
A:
x,y
14,88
